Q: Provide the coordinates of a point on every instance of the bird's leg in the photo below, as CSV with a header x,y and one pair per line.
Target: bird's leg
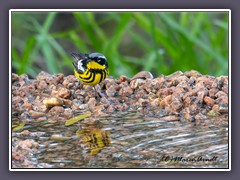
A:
x,y
97,96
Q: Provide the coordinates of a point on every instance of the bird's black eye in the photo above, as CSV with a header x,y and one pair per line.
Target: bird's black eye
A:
x,y
99,59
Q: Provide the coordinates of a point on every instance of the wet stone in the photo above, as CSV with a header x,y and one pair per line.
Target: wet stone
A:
x,y
56,110
36,114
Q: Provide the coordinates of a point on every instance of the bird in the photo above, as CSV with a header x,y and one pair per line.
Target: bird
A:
x,y
91,69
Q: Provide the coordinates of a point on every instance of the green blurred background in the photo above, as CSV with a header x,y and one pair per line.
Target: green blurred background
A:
x,y
159,42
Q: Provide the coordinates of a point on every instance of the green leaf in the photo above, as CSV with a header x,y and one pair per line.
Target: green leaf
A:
x,y
29,46
18,127
77,118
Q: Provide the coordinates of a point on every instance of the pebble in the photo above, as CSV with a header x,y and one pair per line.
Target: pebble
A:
x,y
52,102
36,114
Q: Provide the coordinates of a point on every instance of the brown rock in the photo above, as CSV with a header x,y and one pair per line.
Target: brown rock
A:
x,y
165,92
36,114
142,75
56,110
98,111
220,94
192,73
23,79
176,103
166,100
209,101
148,86
206,80
28,89
212,92
136,83
225,89
42,84
27,144
105,101
82,107
28,106
181,80
43,118
25,133
50,79
111,108
186,113
178,92
66,102
61,92
111,91
125,91
155,102
223,108
110,82
143,94
69,81
218,84
158,82
215,108
190,93
52,102
201,94
123,79
200,85
188,101
201,116
15,77
68,113
91,104
143,102
174,75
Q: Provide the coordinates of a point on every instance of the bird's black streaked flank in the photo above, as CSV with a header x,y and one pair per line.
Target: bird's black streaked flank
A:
x,y
90,69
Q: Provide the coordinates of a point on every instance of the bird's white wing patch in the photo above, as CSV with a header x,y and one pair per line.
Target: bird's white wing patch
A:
x,y
80,66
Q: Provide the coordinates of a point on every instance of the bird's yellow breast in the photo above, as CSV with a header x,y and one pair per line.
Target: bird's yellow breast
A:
x,y
94,74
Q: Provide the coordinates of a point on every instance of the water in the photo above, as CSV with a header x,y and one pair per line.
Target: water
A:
x,y
130,140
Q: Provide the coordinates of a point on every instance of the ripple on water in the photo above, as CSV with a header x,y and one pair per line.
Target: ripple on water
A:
x,y
135,142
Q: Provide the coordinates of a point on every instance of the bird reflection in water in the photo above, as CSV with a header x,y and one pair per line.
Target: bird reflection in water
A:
x,y
95,139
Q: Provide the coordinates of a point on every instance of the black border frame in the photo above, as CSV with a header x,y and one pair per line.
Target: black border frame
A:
x,y
126,169
4,100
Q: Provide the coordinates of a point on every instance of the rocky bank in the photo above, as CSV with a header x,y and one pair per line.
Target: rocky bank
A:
x,y
187,96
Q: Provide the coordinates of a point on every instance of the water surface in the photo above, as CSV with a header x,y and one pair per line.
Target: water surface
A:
x,y
130,140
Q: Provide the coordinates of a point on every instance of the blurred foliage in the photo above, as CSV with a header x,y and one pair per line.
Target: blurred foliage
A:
x,y
160,42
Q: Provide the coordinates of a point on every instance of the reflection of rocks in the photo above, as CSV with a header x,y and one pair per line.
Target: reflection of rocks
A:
x,y
188,95
23,151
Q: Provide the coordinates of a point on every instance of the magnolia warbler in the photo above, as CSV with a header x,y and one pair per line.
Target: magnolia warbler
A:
x,y
90,69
